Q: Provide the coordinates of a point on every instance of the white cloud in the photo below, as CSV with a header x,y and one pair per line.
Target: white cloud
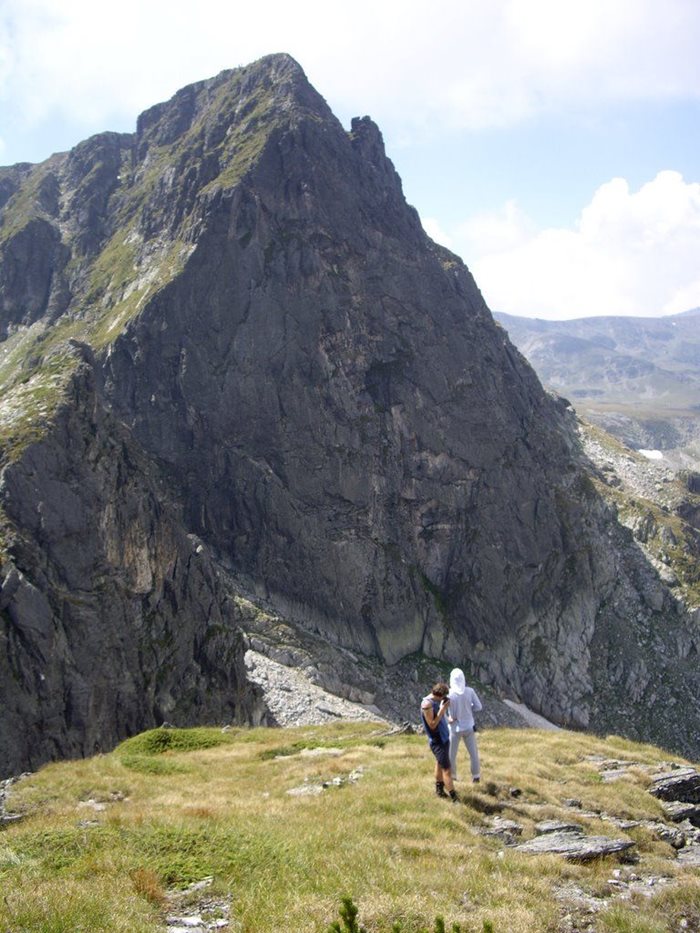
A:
x,y
493,232
684,298
629,253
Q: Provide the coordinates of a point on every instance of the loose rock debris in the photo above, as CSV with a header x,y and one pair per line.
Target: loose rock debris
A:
x,y
192,910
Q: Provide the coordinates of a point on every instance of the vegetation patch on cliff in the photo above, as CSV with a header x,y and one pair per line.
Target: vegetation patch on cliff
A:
x,y
150,211
35,369
26,204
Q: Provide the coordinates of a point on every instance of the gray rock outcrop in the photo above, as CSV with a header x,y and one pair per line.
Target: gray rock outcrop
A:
x,y
681,785
575,847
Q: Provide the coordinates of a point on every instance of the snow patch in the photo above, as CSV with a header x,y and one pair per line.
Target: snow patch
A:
x,y
651,454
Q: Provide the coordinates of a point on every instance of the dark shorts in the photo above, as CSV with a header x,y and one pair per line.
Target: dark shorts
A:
x,y
441,750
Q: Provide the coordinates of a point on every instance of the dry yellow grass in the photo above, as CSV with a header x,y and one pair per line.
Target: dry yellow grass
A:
x,y
175,817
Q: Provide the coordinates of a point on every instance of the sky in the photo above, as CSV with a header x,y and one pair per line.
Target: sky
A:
x,y
554,145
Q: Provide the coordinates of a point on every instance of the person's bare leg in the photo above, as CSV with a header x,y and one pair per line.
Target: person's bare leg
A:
x,y
439,783
444,776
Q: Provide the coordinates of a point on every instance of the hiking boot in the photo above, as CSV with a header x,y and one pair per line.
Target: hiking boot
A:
x,y
476,780
453,796
440,789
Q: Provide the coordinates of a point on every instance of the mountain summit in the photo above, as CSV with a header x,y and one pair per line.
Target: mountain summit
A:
x,y
233,358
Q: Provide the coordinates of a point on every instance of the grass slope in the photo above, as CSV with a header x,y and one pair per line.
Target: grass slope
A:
x,y
104,840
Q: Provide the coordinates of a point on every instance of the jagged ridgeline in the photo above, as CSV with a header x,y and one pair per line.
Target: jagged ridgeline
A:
x,y
231,352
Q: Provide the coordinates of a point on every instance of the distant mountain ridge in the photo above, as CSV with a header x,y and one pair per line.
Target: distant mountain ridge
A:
x,y
608,357
638,377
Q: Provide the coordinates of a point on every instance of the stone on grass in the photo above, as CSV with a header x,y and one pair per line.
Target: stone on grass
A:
x,y
677,811
575,847
556,826
689,856
682,785
506,830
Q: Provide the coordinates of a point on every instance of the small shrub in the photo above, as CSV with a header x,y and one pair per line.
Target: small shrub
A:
x,y
348,914
281,751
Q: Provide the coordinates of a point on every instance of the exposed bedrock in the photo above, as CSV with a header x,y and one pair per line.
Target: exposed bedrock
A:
x,y
112,619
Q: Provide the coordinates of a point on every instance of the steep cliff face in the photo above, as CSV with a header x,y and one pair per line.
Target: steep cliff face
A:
x,y
111,617
335,399
324,396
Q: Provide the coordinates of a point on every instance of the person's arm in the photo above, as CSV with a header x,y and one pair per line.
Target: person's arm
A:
x,y
476,702
433,719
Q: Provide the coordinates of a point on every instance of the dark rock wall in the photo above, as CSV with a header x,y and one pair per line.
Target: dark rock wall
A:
x,y
352,433
112,619
29,262
351,429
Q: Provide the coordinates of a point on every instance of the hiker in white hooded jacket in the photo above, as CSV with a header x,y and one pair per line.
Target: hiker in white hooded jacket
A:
x,y
463,704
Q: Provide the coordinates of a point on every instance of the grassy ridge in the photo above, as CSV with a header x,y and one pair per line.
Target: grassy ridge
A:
x,y
104,840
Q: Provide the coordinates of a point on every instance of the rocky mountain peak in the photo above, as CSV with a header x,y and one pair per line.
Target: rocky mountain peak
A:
x,y
275,83
289,390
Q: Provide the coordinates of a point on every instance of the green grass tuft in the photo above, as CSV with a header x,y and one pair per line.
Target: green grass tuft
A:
x,y
157,741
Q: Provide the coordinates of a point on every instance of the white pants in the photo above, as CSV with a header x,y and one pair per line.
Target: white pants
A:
x,y
470,742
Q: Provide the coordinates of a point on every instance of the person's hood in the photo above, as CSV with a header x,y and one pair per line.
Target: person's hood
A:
x,y
457,681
